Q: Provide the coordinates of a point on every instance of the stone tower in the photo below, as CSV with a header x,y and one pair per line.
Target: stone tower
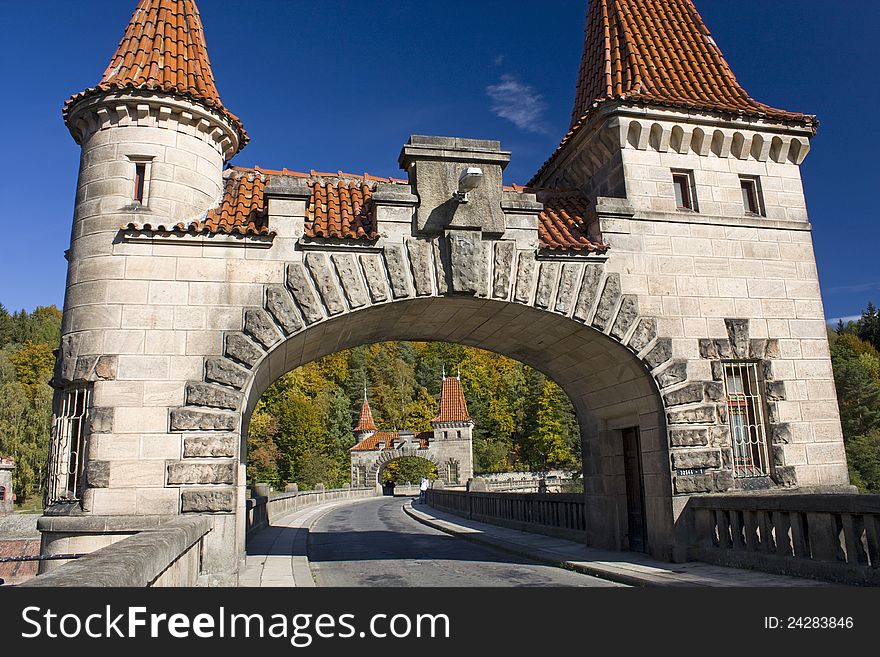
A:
x,y
7,466
155,137
453,431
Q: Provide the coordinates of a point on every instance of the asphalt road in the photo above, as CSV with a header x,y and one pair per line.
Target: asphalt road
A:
x,y
376,544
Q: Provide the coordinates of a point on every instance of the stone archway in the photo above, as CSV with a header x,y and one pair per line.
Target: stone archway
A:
x,y
568,319
375,472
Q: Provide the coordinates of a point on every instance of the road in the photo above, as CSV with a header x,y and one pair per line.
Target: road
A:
x,y
376,544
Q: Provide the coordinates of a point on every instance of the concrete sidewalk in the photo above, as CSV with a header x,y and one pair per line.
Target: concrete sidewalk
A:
x,y
278,555
631,568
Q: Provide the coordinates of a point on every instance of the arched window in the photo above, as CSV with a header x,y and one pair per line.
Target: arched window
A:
x,y
2,493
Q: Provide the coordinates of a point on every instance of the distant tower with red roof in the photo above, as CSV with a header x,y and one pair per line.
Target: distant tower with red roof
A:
x,y
449,445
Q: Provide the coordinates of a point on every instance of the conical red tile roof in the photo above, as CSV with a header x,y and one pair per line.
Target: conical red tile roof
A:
x,y
164,50
453,407
365,420
658,52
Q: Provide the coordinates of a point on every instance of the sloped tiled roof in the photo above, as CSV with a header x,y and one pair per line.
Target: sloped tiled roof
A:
x,y
164,50
453,407
339,203
389,438
658,52
365,419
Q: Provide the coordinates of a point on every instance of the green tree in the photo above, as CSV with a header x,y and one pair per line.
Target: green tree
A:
x,y
409,469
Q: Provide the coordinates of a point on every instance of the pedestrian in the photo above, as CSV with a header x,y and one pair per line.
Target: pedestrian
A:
x,y
423,490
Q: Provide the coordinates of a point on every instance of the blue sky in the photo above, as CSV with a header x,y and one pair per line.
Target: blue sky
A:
x,y
331,85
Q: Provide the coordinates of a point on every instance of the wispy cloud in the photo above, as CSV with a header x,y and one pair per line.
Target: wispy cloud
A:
x,y
518,103
859,287
845,320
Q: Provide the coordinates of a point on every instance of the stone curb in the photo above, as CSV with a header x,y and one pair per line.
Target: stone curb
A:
x,y
538,555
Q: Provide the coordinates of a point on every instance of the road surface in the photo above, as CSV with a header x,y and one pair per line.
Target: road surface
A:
x,y
376,544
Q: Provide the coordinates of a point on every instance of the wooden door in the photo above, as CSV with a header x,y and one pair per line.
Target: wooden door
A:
x,y
635,490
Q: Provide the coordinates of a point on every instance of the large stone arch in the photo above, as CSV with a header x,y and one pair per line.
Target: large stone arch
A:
x,y
566,317
385,457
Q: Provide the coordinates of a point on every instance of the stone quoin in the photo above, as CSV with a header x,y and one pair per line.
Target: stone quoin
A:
x,y
659,267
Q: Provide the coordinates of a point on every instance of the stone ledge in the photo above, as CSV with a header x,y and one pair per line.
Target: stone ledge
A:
x,y
136,561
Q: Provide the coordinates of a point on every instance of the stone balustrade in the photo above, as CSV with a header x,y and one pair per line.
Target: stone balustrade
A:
x,y
169,555
555,514
832,537
263,510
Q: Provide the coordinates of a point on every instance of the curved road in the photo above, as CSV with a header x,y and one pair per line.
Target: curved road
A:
x,y
376,544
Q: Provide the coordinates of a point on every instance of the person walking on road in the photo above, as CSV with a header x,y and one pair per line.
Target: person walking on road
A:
x,y
423,490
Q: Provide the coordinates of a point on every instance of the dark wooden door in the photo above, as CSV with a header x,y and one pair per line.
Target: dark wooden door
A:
x,y
635,491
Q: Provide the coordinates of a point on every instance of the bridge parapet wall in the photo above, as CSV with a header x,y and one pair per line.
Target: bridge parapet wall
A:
x,y
168,556
554,514
262,511
831,537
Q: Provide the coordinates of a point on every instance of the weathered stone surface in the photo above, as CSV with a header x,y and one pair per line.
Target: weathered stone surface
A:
x,y
98,474
626,316
568,281
780,433
65,364
207,501
374,272
190,419
546,282
85,368
106,368
258,325
397,273
420,260
279,303
785,476
713,349
204,394
325,281
607,302
645,332
661,353
714,482
738,332
689,437
350,276
525,275
201,473
698,415
470,269
772,349
689,459
221,370
714,391
674,374
757,348
217,446
239,348
503,269
589,290
439,269
298,284
101,420
689,394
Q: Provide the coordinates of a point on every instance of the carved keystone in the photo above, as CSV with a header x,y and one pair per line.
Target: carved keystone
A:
x,y
467,259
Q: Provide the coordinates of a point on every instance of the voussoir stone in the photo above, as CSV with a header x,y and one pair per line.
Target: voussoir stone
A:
x,y
660,354
204,394
420,258
568,281
374,273
589,290
397,273
325,281
207,501
645,332
222,370
674,374
181,473
221,446
239,348
525,274
502,269
258,325
350,276
298,284
468,262
280,304
607,302
626,316
188,419
546,282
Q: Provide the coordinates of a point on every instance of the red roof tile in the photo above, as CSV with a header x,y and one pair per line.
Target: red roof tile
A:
x,y
658,52
563,225
453,407
365,420
164,50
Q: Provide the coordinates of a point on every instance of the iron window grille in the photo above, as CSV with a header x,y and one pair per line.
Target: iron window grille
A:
x,y
67,457
746,418
2,493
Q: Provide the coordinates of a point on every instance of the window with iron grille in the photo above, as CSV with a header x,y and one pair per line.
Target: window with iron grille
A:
x,y
2,493
67,457
745,414
452,472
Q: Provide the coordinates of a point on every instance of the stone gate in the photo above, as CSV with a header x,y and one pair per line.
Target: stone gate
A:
x,y
659,267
